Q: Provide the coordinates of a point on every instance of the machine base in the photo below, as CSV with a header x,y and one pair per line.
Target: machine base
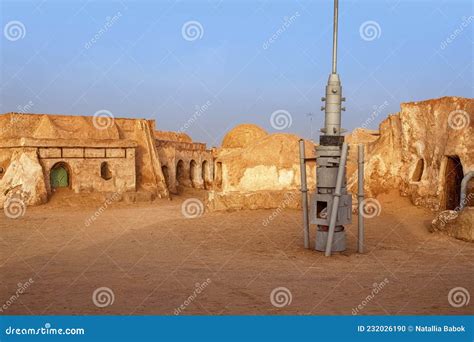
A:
x,y
338,244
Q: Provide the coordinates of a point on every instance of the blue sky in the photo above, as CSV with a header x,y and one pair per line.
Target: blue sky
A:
x,y
132,59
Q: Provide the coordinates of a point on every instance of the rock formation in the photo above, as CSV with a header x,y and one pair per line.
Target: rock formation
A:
x,y
422,151
456,224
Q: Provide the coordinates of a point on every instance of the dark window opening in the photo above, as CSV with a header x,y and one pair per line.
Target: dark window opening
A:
x,y
418,173
105,172
453,176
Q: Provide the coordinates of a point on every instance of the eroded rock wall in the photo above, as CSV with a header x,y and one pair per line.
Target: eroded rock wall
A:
x,y
414,147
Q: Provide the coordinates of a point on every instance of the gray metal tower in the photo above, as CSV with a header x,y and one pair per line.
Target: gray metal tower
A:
x,y
331,205
329,154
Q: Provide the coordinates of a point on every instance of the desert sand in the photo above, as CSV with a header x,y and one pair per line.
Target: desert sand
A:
x,y
152,257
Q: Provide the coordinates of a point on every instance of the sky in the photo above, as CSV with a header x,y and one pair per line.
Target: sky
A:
x,y
203,67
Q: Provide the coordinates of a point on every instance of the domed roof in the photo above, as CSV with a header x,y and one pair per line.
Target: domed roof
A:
x,y
243,136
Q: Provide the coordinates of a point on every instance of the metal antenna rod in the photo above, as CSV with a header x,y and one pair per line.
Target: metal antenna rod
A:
x,y
334,38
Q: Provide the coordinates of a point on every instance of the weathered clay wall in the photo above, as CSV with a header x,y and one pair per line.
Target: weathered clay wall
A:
x,y
259,170
127,145
425,133
194,161
85,169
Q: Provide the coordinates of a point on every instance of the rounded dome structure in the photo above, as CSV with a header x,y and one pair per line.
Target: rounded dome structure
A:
x,y
243,135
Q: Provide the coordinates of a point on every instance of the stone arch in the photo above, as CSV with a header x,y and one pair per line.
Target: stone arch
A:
x,y
194,174
180,173
218,176
453,175
205,174
60,176
166,175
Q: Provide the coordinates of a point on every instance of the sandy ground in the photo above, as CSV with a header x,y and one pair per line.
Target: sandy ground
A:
x,y
151,257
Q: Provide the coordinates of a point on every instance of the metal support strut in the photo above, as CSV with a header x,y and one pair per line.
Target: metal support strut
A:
x,y
360,198
337,195
304,195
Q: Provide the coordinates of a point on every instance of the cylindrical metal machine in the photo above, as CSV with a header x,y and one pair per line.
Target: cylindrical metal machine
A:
x,y
328,160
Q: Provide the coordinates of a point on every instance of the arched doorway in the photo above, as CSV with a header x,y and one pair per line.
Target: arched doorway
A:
x,y
180,175
218,176
59,176
166,174
453,176
205,174
193,174
418,172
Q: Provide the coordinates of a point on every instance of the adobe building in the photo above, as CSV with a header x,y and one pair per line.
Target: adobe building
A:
x,y
40,154
184,163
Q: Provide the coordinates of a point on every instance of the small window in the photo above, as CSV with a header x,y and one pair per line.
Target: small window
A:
x,y
418,173
105,172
